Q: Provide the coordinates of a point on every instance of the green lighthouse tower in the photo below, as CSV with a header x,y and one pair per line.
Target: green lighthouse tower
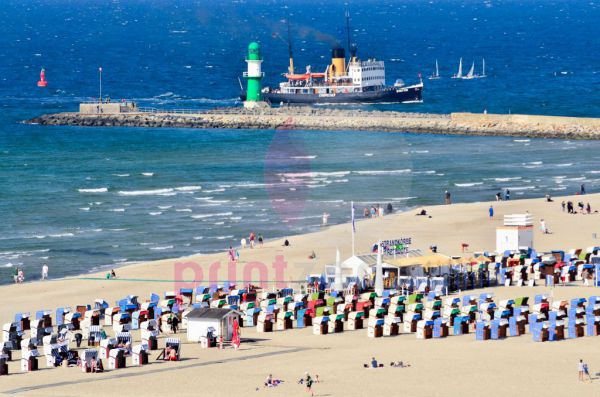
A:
x,y
254,75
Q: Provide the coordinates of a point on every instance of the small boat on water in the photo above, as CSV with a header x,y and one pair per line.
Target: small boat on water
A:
x,y
459,74
482,75
436,75
471,75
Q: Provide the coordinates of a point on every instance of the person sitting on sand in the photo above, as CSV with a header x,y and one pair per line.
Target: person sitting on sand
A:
x,y
399,364
423,212
113,274
374,363
312,255
270,382
286,243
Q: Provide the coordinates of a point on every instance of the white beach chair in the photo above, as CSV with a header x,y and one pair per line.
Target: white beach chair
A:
x,y
139,355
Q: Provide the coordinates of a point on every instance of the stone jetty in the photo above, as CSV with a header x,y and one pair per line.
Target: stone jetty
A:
x,y
308,118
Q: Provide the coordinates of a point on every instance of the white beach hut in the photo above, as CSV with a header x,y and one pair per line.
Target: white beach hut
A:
x,y
201,319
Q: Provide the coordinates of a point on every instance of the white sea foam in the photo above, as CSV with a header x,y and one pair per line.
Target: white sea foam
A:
x,y
198,237
429,172
303,157
121,175
403,198
564,165
593,172
314,174
368,154
155,213
515,188
164,207
202,216
214,190
95,190
516,178
219,223
468,184
183,210
147,173
223,237
57,235
84,208
166,247
8,265
383,172
188,188
117,210
218,201
144,192
521,140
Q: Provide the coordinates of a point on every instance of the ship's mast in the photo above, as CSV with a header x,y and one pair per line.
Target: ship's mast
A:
x,y
291,54
351,48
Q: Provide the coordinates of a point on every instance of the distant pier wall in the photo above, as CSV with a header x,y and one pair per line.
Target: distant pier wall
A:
x,y
336,119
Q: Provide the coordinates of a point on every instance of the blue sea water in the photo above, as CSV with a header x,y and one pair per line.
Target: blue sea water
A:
x,y
85,198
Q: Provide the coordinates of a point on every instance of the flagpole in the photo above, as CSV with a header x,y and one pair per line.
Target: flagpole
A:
x,y
100,72
353,228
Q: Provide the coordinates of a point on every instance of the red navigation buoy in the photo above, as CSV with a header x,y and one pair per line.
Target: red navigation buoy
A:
x,y
42,82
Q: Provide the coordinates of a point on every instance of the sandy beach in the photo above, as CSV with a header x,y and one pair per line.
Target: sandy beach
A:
x,y
454,366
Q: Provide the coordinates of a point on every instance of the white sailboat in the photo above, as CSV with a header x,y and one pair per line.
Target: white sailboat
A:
x,y
436,75
459,75
471,74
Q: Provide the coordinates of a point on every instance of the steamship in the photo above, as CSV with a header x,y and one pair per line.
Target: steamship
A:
x,y
357,82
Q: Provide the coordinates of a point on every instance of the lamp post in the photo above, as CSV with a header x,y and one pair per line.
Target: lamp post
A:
x,y
100,74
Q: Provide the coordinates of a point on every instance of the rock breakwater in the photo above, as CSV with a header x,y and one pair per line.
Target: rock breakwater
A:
x,y
336,119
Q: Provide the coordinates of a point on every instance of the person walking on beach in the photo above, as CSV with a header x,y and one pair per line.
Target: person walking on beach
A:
x,y
308,381
243,243
16,275
582,189
491,211
325,218
580,370
174,324
543,227
447,197
251,238
588,208
260,240
586,372
563,205
507,195
45,272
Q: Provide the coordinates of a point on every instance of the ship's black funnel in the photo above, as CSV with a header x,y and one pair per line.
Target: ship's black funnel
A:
x,y
338,52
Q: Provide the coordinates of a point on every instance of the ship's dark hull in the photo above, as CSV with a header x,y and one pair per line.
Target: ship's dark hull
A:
x,y
389,95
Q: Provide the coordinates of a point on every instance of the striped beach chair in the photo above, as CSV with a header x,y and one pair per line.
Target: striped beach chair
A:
x,y
95,335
